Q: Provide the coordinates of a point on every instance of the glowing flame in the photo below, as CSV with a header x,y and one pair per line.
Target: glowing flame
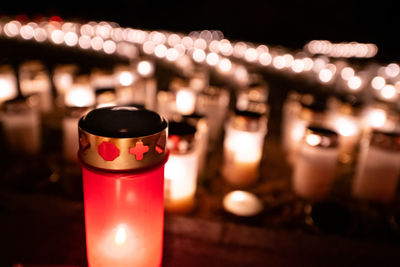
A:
x,y
120,235
313,139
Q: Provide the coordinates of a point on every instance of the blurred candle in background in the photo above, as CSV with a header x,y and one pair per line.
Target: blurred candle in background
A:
x,y
346,120
78,99
213,102
146,69
309,111
122,152
185,101
201,124
34,79
8,84
243,147
124,78
21,124
63,78
315,166
378,167
182,168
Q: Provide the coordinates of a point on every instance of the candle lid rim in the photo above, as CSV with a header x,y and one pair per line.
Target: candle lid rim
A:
x,y
126,121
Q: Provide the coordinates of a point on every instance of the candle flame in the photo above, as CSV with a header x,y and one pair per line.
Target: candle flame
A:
x,y
120,235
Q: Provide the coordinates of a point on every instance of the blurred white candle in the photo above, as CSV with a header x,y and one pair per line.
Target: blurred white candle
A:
x,y
243,147
378,167
346,121
314,169
34,79
242,203
77,101
201,124
181,169
146,69
63,77
301,115
213,102
21,125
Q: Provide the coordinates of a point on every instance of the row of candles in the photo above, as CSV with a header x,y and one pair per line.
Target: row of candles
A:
x,y
314,137
320,133
245,131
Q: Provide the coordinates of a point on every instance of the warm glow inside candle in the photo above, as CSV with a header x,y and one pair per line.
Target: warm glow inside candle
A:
x,y
242,154
180,182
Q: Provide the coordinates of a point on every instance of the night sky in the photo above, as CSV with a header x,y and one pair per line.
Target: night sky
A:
x,y
278,22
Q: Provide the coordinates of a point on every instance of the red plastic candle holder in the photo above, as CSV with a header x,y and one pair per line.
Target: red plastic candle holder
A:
x,y
122,153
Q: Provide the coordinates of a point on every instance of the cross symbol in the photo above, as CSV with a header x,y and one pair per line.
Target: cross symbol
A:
x,y
139,150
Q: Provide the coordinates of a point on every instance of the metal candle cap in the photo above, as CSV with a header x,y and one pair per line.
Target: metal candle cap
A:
x,y
317,136
385,140
122,138
181,138
248,121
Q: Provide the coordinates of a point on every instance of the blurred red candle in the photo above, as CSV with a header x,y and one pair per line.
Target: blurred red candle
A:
x,y
122,152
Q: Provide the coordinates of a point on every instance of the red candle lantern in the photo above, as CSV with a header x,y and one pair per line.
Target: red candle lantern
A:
x,y
122,152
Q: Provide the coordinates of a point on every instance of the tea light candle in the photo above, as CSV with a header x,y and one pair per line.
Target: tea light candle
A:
x,y
378,167
8,84
242,203
21,125
314,169
34,79
122,152
181,169
243,146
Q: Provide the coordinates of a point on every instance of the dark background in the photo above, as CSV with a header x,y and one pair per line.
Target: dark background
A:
x,y
278,22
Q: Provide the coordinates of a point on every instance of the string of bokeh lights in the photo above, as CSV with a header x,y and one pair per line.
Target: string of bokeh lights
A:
x,y
317,59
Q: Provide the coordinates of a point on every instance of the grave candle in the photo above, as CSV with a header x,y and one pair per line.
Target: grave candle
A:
x,y
122,152
181,168
21,124
243,147
378,167
315,166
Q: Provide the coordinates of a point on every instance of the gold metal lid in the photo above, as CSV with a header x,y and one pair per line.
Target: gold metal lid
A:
x,y
316,136
122,138
248,121
385,140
